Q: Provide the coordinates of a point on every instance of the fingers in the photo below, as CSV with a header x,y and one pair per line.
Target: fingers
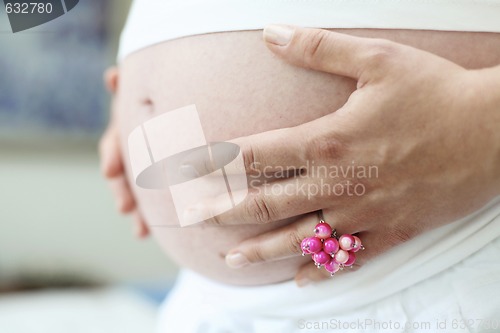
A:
x,y
277,156
264,153
274,201
110,153
109,145
125,202
309,274
274,245
141,229
267,203
273,150
327,51
112,168
283,242
112,163
124,198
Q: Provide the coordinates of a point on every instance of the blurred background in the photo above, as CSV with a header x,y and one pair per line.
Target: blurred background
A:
x,y
68,261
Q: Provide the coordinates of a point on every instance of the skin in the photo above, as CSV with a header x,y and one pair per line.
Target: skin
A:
x,y
390,103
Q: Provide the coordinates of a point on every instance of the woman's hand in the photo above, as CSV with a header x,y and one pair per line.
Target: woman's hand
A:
x,y
112,162
417,145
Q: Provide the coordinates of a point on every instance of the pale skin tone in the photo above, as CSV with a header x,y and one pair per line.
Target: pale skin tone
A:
x,y
424,180
112,162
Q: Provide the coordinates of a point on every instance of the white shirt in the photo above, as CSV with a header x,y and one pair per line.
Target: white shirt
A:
x,y
155,21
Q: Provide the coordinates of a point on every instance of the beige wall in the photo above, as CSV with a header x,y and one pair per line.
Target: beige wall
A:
x,y
56,214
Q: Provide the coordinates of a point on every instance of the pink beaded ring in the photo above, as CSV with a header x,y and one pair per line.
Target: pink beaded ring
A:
x,y
329,251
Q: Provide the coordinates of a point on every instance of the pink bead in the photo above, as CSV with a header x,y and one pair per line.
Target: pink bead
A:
x,y
331,245
332,266
321,257
341,256
304,246
323,230
357,244
314,245
346,242
351,260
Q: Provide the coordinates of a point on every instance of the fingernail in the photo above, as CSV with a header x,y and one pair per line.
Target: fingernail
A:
x,y
236,260
302,282
278,34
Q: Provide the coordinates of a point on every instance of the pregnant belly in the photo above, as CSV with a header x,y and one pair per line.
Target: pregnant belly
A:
x,y
240,88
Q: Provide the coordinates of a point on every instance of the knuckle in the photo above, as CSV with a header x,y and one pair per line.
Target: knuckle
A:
x,y
294,241
313,44
215,220
325,148
381,53
258,209
249,158
255,254
399,235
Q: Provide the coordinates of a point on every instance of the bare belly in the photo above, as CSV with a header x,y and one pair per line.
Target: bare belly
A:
x,y
240,88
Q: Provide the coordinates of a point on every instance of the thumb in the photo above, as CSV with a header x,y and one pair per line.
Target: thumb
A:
x,y
330,52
